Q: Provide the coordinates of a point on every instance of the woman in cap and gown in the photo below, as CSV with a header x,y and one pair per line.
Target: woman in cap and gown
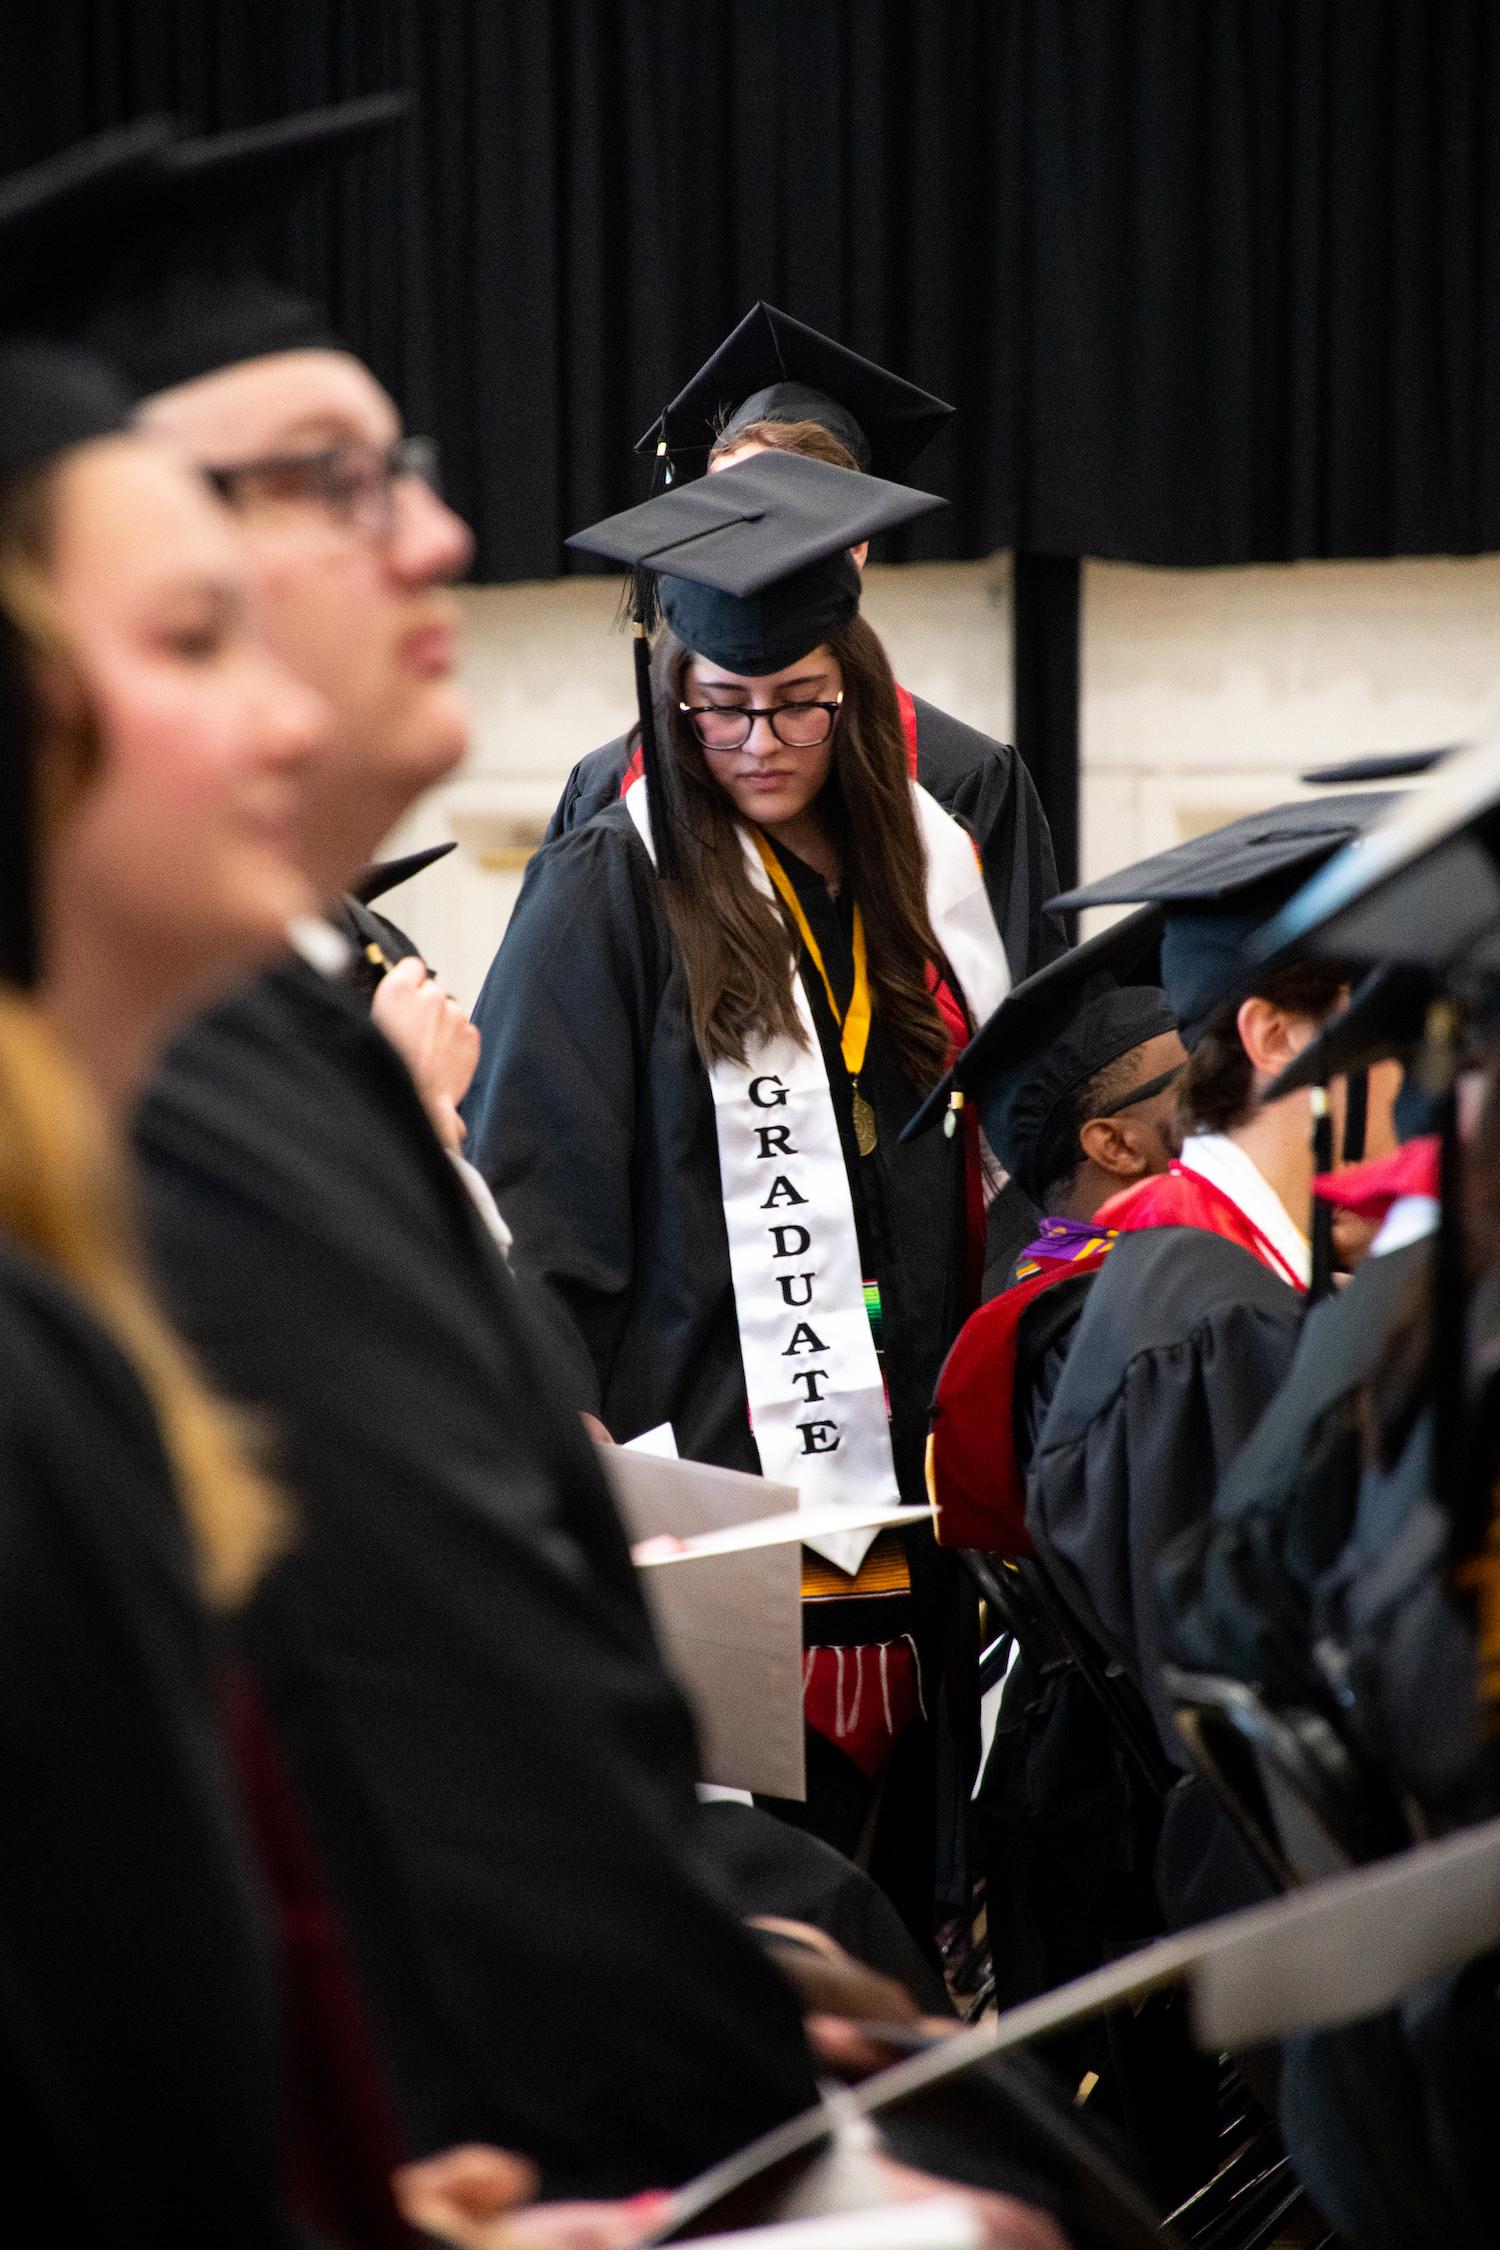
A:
x,y
785,982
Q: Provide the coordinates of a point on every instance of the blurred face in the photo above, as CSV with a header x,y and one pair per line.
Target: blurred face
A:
x,y
351,566
770,780
177,852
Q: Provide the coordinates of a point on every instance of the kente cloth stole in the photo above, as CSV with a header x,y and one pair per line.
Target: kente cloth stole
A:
x,y
817,1399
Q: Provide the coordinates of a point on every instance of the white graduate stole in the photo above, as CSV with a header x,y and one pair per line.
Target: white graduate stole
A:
x,y
817,1402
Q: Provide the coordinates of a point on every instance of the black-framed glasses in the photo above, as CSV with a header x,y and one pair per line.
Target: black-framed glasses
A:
x,y
354,484
797,726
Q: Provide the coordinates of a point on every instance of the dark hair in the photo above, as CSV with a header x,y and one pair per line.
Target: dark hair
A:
x,y
811,438
1059,1156
735,944
1217,1090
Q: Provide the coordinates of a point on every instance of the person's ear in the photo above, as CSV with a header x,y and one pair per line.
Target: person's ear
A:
x,y
1116,1146
1272,1037
860,554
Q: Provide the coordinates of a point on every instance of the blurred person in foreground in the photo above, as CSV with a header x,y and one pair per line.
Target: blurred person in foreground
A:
x,y
454,1650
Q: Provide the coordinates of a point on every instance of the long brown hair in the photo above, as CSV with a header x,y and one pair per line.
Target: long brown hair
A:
x,y
736,947
64,1194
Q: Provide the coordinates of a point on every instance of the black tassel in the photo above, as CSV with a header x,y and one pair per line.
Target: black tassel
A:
x,y
663,836
1356,1116
1466,1507
1322,1212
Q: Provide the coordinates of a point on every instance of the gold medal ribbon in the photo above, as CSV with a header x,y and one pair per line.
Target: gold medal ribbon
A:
x,y
854,1027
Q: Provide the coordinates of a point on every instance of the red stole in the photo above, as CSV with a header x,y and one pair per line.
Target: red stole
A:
x,y
1179,1198
973,1474
1369,1189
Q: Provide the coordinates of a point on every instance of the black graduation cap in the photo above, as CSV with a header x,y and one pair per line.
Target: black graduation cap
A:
x,y
1422,887
1216,892
51,399
186,292
755,571
1049,1037
1379,765
64,221
772,368
1422,890
384,875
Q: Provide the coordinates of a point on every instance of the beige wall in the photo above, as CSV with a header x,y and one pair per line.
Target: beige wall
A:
x,y
1204,693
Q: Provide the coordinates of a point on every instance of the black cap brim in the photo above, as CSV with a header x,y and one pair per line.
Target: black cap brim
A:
x,y
384,875
189,292
756,524
1421,886
1204,870
1126,952
1380,765
769,348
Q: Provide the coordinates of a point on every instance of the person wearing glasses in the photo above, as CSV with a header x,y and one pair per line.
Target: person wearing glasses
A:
x,y
775,382
453,1648
782,959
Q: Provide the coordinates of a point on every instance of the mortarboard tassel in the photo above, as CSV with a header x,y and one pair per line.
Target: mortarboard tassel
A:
x,y
1356,1116
662,835
1452,1484
1321,1282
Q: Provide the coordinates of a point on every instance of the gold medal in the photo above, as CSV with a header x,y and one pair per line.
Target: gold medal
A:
x,y
866,1132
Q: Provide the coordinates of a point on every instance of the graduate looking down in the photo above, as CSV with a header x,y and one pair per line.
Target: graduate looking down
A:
x,y
715,1007
1075,1081
775,382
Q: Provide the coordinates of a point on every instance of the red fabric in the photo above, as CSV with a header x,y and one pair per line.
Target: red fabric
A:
x,y
862,1699
1369,1190
908,712
904,704
342,2137
976,1479
1178,1198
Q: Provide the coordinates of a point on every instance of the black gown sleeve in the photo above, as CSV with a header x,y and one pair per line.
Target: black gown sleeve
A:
x,y
1136,1440
593,784
139,2016
454,1648
565,1022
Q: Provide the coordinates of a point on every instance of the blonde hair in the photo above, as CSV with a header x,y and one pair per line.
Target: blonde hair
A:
x,y
63,1188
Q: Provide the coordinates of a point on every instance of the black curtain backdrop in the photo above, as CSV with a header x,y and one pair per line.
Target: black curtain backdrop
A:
x,y
1210,281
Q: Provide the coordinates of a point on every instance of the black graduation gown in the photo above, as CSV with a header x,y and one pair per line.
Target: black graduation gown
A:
x,y
592,1119
1182,1343
982,783
1179,1349
139,2012
1237,1587
499,1773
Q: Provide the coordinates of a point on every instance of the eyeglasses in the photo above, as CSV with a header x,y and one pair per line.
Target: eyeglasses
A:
x,y
797,726
354,484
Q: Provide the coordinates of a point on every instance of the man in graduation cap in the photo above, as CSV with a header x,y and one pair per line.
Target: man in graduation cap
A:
x,y
1191,1323
1074,1081
775,382
1349,1569
1327,1571
455,1650
500,1775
